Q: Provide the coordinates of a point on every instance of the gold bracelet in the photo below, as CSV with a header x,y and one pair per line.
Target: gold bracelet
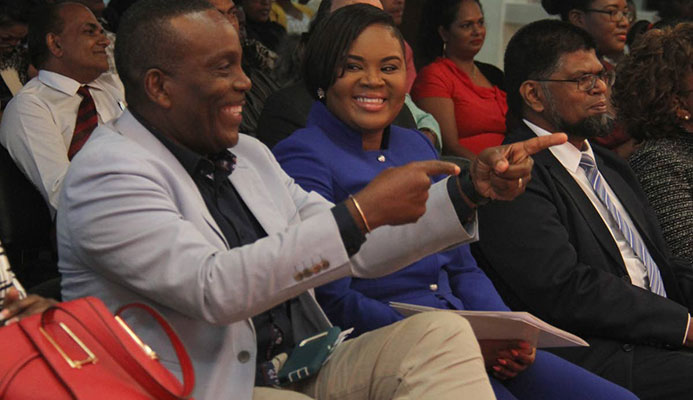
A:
x,y
363,217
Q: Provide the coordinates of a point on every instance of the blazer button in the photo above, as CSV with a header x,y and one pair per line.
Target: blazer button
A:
x,y
433,287
627,347
298,276
243,357
325,264
316,268
307,272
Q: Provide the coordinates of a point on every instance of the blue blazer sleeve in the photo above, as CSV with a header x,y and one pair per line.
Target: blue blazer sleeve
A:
x,y
470,284
345,307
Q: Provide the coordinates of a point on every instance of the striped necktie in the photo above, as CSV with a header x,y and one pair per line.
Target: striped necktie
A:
x,y
595,177
86,121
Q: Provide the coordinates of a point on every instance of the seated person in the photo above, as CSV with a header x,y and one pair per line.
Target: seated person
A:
x,y
259,26
53,115
654,98
465,96
287,109
14,60
344,147
607,22
581,248
156,208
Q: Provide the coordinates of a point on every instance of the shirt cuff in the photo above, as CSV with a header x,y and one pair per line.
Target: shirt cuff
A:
x,y
351,234
464,212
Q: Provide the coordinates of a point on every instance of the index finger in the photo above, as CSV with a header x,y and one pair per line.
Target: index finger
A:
x,y
437,167
539,143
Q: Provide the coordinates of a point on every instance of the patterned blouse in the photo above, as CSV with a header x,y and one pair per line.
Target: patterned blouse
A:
x,y
665,169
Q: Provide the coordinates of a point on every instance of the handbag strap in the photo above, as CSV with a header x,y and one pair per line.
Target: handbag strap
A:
x,y
115,347
178,347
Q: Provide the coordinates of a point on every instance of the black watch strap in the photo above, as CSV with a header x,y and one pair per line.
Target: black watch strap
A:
x,y
467,187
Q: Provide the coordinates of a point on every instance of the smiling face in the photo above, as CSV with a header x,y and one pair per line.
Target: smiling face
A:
x,y
81,46
465,36
206,90
610,36
370,91
566,108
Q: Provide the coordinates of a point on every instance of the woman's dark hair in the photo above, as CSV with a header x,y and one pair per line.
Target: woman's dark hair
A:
x,y
563,7
650,78
436,13
329,44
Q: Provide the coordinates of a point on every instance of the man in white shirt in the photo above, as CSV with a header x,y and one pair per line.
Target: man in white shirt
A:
x,y
67,45
581,248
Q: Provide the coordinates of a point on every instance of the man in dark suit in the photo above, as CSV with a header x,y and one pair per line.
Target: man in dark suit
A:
x,y
581,248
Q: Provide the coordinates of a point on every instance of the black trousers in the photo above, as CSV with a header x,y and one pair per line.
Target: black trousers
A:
x,y
652,373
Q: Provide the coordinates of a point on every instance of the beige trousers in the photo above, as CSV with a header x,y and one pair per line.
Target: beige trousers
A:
x,y
430,355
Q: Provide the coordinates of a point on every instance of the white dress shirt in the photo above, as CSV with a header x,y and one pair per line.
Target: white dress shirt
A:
x,y
569,157
38,124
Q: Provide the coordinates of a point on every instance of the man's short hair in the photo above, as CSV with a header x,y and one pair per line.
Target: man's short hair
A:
x,y
534,51
329,44
45,20
146,40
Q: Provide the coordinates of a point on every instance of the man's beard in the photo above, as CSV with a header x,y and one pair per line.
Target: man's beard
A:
x,y
599,125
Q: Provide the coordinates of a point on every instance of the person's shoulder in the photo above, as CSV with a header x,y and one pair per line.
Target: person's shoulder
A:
x,y
416,139
434,67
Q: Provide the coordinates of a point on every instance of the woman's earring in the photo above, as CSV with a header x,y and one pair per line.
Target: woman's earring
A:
x,y
445,47
321,94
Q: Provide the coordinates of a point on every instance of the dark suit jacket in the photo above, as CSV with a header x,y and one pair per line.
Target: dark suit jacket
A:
x,y
549,252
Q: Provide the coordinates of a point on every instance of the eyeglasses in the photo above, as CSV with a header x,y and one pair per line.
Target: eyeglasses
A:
x,y
587,82
615,15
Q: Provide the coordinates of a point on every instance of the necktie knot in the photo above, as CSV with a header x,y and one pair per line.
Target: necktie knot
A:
x,y
587,162
84,91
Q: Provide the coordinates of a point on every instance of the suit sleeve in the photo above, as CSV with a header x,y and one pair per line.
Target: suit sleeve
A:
x,y
531,254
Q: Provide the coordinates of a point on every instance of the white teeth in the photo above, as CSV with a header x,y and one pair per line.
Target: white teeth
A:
x,y
370,100
234,109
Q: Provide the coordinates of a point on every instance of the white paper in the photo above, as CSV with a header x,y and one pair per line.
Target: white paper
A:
x,y
506,325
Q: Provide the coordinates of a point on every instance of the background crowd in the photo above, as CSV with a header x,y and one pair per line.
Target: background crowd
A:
x,y
599,244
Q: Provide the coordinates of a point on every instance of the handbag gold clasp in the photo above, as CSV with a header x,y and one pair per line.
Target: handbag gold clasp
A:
x,y
147,350
91,358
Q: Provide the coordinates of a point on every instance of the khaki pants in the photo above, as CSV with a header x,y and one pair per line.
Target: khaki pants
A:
x,y
430,355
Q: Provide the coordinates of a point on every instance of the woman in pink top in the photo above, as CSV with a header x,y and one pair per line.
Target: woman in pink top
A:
x,y
465,96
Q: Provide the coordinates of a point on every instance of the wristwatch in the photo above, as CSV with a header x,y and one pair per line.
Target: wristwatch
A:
x,y
466,186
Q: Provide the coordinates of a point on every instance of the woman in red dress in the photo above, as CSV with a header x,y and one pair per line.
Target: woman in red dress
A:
x,y
465,96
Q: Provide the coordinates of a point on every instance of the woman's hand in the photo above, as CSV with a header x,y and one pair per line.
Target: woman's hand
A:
x,y
15,308
507,358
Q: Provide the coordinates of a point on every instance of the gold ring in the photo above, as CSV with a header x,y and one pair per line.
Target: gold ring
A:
x,y
520,183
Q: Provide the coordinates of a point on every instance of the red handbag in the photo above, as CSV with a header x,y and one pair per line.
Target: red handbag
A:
x,y
79,350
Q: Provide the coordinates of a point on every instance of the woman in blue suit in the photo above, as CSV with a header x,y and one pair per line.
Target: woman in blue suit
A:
x,y
355,67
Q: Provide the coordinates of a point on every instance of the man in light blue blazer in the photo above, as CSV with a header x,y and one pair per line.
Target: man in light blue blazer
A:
x,y
144,216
